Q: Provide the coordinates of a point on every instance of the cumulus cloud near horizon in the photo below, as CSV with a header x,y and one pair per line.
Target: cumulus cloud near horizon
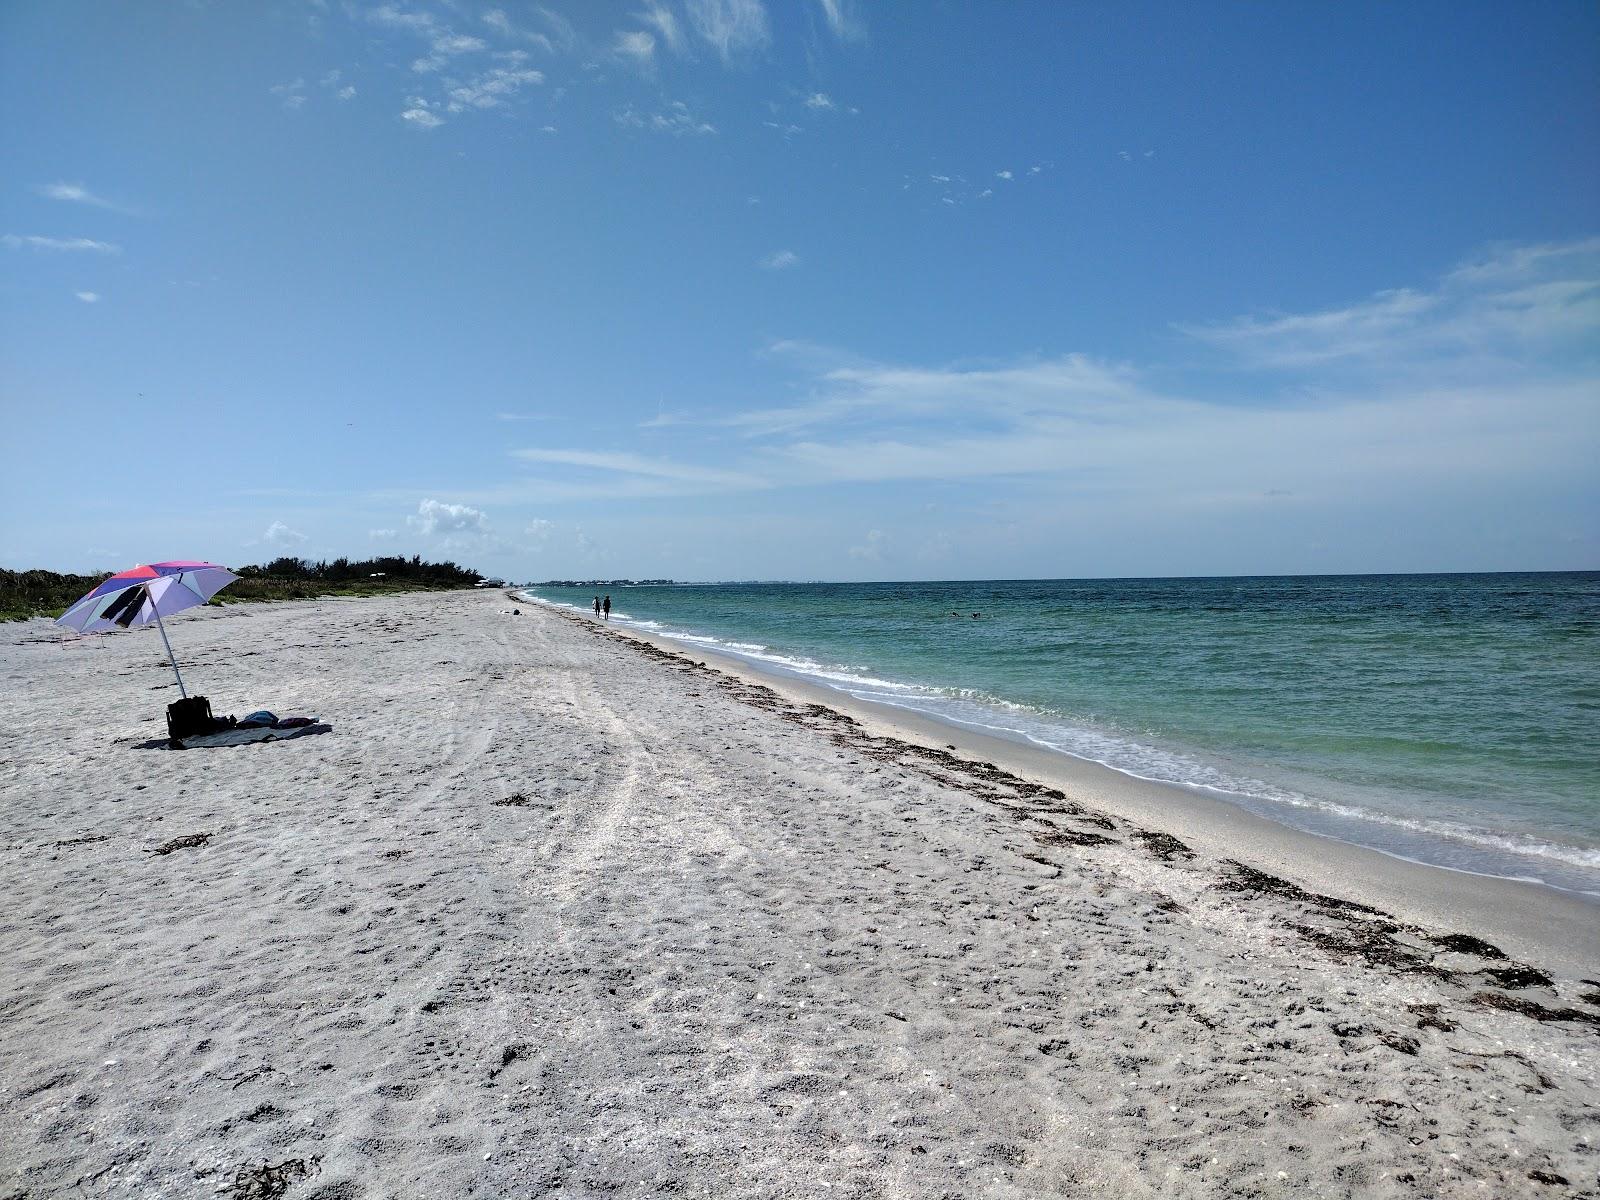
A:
x,y
435,517
280,535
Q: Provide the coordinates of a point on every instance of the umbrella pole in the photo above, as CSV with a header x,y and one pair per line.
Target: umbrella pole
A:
x,y
168,645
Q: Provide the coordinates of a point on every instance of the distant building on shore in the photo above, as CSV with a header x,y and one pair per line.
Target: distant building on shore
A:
x,y
605,583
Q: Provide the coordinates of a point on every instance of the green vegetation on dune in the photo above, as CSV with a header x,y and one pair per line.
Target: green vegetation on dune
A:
x,y
25,594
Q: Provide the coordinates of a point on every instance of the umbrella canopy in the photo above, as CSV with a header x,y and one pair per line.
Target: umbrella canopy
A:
x,y
144,594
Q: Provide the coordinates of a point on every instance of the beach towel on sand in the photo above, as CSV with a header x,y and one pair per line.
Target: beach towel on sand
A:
x,y
243,736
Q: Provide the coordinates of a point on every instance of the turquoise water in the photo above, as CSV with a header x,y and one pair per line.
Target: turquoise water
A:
x,y
1450,719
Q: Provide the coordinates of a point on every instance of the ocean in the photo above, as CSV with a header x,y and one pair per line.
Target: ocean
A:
x,y
1448,719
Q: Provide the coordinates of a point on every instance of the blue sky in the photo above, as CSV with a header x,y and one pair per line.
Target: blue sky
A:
x,y
821,289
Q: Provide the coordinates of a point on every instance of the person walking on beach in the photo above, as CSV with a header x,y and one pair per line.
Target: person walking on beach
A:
x,y
608,608
597,606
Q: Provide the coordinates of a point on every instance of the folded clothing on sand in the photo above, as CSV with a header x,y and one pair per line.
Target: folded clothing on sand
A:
x,y
262,719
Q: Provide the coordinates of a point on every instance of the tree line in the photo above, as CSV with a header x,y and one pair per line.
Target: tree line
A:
x,y
36,593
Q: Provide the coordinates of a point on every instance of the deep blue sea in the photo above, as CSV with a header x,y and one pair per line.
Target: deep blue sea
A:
x,y
1451,719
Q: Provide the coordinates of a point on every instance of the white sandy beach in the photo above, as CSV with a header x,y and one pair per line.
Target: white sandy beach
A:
x,y
555,911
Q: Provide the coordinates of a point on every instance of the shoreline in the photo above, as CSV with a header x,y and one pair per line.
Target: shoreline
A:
x,y
1532,919
1481,805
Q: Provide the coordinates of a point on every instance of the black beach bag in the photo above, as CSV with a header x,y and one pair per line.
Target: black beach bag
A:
x,y
185,718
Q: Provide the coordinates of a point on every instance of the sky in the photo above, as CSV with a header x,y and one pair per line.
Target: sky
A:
x,y
819,289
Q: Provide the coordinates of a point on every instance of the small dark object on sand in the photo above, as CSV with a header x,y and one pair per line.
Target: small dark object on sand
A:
x,y
1404,1043
187,842
1528,1008
1071,837
1516,977
270,1182
1465,943
1371,942
515,800
1428,1017
1249,880
1163,845
83,841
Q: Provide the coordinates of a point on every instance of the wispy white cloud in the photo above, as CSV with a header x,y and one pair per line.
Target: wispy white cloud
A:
x,y
383,535
955,188
1512,262
455,78
1190,451
779,260
88,297
76,193
420,114
1423,414
496,19
397,18
842,18
292,94
458,43
456,81
635,46
67,245
639,465
563,36
491,89
872,547
1492,307
557,34
676,119
855,393
735,29
331,80
818,101
665,22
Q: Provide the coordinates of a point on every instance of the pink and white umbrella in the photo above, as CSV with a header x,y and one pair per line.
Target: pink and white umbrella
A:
x,y
147,593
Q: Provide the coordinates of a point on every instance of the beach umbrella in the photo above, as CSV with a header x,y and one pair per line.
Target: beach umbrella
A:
x,y
144,594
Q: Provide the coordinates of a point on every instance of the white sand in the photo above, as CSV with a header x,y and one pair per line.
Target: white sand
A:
x,y
547,913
